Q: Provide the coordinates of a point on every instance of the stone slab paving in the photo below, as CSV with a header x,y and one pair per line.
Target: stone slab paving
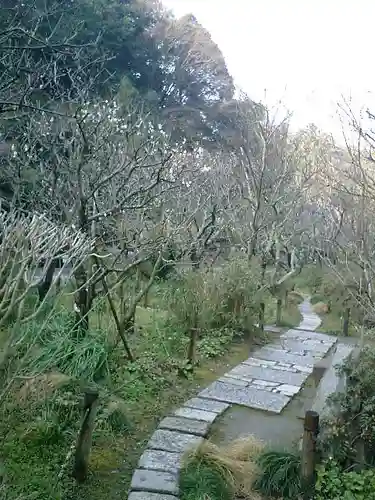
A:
x,y
174,441
163,461
287,376
185,425
251,396
265,381
147,495
154,482
207,405
205,416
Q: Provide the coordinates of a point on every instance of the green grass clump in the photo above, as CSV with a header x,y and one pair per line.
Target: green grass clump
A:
x,y
59,349
280,475
221,473
199,481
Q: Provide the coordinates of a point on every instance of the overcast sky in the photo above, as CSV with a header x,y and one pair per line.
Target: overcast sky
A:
x,y
305,52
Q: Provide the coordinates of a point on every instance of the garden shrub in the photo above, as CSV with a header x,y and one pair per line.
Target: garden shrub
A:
x,y
223,297
352,412
55,347
221,473
334,484
279,475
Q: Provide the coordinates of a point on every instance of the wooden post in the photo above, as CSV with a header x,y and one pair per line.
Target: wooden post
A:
x,y
286,298
83,447
192,346
278,312
261,316
146,299
345,325
309,458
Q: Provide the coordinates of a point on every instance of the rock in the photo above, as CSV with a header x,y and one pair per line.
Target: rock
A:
x,y
147,495
289,390
234,380
280,355
265,383
246,396
154,481
281,375
303,369
164,461
207,405
173,441
186,425
193,413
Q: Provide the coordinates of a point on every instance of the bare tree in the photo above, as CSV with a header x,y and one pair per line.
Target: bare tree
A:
x,y
28,244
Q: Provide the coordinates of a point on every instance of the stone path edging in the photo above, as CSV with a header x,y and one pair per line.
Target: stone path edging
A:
x,y
267,381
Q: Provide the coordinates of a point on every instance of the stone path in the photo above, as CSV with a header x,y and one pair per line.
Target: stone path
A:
x,y
266,381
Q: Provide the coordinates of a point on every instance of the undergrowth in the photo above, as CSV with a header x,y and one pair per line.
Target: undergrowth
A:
x,y
335,484
243,469
41,415
350,422
234,466
280,475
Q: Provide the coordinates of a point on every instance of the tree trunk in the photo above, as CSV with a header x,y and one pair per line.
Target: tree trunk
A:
x,y
309,455
278,312
44,287
83,447
192,347
82,302
194,259
261,316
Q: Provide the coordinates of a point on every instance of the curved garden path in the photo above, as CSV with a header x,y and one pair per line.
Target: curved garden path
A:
x,y
266,381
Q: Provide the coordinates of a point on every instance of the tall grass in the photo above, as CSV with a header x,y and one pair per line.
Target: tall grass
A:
x,y
221,473
59,349
279,475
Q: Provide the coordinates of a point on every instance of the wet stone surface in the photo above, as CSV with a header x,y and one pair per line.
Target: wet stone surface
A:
x,y
186,425
173,441
164,461
155,481
147,495
280,355
281,376
207,405
194,414
234,381
246,396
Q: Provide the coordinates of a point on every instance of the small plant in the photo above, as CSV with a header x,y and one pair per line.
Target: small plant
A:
x,y
280,475
215,343
334,484
199,481
221,473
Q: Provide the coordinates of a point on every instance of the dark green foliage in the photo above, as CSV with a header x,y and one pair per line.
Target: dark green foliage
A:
x,y
216,343
97,44
280,475
57,348
315,299
334,484
352,412
199,481
221,298
119,421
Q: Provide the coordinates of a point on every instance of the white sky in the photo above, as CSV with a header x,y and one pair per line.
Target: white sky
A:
x,y
305,52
